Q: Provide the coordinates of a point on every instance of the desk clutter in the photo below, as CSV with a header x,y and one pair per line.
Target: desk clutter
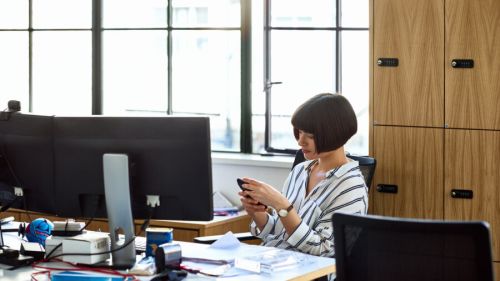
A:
x,y
85,256
46,240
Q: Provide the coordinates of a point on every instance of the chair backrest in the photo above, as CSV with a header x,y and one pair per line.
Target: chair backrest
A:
x,y
373,248
367,165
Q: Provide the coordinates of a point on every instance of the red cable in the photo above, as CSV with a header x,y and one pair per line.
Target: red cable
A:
x,y
48,270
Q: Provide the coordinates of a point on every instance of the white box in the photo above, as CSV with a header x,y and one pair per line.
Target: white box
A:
x,y
88,243
51,242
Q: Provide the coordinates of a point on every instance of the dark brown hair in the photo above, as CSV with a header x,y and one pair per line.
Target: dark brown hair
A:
x,y
329,117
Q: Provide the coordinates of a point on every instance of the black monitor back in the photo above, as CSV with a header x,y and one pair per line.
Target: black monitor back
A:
x,y
26,161
372,248
169,157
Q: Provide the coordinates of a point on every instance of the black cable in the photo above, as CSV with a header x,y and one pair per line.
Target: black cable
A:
x,y
88,222
16,179
170,275
25,208
48,256
146,222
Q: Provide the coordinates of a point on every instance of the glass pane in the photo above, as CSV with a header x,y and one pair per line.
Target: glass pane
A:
x,y
355,13
304,61
62,14
206,80
220,13
355,85
297,13
14,14
14,68
134,13
258,133
62,72
134,72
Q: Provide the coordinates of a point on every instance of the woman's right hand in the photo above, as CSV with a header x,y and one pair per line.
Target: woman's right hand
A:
x,y
251,206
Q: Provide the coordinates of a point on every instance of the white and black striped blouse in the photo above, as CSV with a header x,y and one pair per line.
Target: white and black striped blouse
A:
x,y
342,190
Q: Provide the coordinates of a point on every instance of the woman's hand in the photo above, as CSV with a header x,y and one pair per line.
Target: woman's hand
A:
x,y
252,206
263,193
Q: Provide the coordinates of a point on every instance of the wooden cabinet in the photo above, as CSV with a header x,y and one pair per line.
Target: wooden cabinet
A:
x,y
471,158
436,126
403,155
496,268
473,94
412,93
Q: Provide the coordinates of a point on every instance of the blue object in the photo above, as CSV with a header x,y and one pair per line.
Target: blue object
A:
x,y
38,230
79,276
155,236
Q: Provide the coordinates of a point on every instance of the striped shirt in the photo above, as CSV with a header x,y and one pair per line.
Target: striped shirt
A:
x,y
342,190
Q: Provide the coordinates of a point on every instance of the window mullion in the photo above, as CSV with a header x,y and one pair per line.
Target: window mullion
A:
x,y
169,58
30,56
246,76
96,57
338,48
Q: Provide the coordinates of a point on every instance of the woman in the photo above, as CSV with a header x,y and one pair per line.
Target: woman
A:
x,y
327,182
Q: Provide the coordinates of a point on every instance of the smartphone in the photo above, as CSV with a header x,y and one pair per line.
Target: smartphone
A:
x,y
240,183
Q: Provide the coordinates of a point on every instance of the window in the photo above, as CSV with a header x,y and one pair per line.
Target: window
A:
x,y
310,49
215,58
184,60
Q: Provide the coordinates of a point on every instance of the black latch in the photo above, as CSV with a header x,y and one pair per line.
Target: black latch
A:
x,y
462,193
390,62
459,63
387,188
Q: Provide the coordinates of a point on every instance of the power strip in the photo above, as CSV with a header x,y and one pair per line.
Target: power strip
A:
x,y
67,228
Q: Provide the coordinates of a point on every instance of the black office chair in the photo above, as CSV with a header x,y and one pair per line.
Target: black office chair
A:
x,y
377,248
367,165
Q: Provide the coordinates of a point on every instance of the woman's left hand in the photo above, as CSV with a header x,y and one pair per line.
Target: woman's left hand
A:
x,y
265,194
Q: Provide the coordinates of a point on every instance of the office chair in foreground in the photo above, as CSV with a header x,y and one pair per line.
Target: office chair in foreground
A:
x,y
381,248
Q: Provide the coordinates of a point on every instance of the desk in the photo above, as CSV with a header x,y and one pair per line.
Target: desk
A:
x,y
316,267
187,230
183,230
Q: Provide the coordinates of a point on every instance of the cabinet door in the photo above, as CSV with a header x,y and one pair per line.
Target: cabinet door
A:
x,y
411,93
473,94
412,159
472,163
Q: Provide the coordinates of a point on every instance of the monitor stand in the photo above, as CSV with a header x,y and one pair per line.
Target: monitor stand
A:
x,y
117,193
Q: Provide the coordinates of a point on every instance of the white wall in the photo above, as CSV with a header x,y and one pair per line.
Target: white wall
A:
x,y
226,167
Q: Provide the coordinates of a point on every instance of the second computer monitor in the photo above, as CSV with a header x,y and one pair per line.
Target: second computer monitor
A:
x,y
26,162
168,156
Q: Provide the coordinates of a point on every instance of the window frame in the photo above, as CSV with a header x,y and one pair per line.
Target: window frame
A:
x,y
268,82
245,28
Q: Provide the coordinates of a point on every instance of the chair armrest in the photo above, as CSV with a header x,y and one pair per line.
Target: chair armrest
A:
x,y
243,236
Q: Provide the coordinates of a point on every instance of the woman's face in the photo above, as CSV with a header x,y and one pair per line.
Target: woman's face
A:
x,y
306,143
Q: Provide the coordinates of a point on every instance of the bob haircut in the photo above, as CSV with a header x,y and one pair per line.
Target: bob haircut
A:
x,y
329,117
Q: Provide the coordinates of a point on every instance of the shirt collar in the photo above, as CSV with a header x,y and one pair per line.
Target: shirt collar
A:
x,y
337,171
342,170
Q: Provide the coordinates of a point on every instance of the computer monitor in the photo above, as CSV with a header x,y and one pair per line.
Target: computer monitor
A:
x,y
26,162
169,157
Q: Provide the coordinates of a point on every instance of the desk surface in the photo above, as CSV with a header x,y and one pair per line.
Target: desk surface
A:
x,y
218,220
183,230
313,268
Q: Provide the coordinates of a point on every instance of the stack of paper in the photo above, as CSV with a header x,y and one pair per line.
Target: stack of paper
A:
x,y
270,261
